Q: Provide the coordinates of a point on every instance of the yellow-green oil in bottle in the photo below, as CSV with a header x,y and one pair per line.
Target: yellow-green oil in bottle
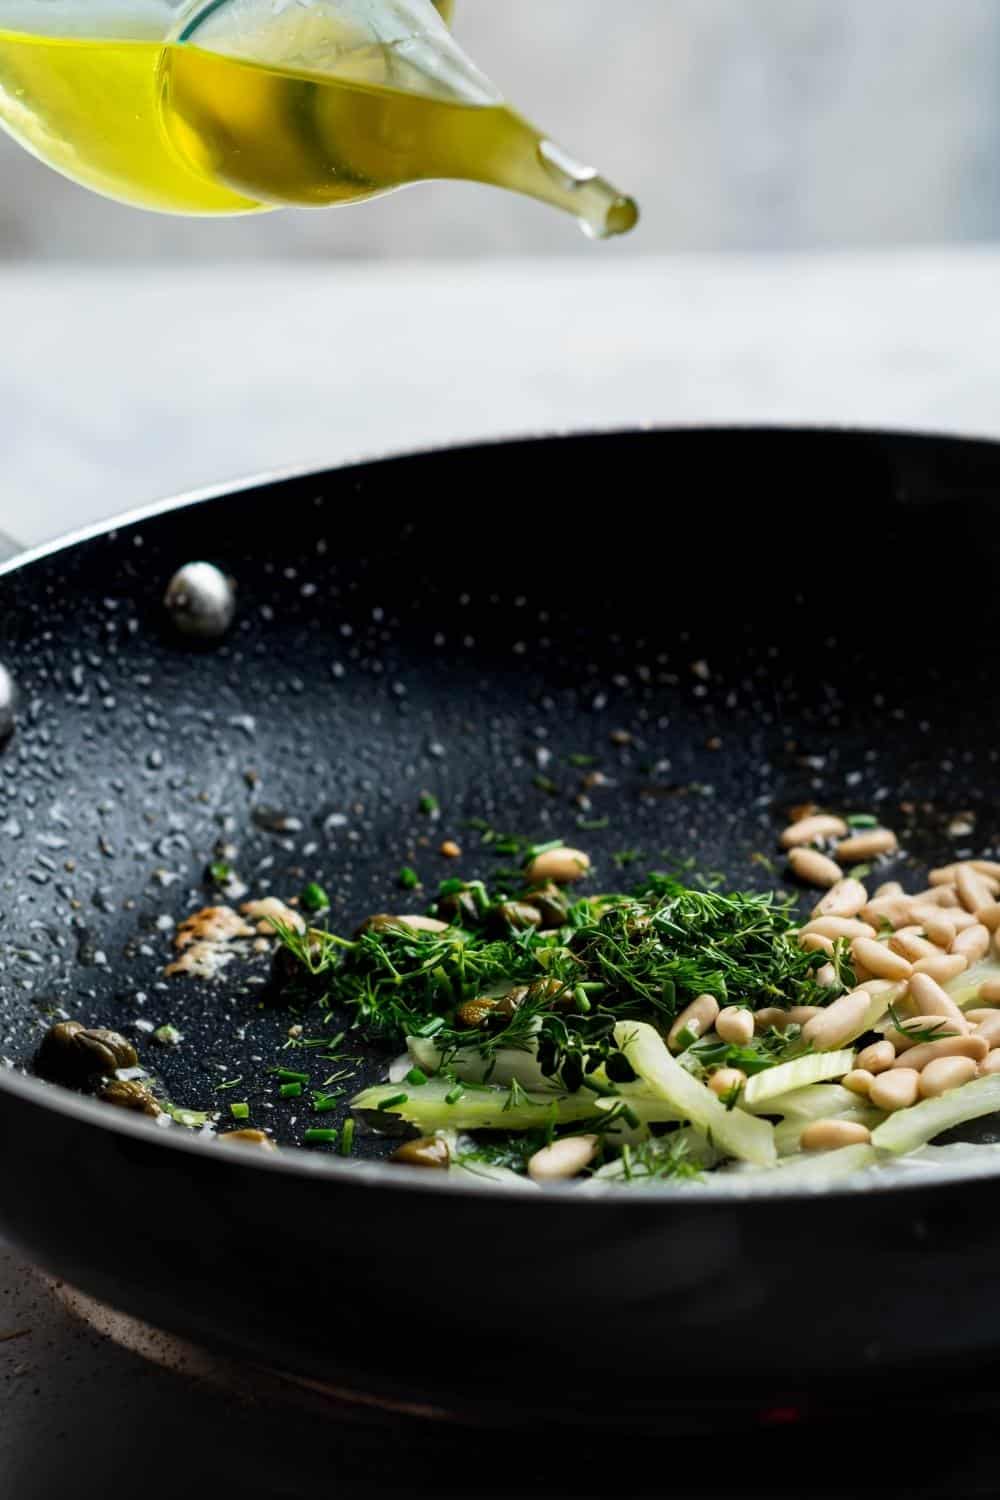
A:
x,y
178,128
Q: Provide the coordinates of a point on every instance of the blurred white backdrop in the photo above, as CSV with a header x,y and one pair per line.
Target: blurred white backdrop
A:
x,y
738,123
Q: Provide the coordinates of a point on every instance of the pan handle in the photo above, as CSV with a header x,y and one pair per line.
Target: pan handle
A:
x,y
8,547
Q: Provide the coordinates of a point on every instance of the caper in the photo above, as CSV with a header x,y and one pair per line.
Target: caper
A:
x,y
129,1094
72,1053
475,1012
427,1151
516,915
461,905
551,903
508,1004
554,991
248,1138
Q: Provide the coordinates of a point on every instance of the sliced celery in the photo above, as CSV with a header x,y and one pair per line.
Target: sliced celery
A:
x,y
812,1068
909,1128
732,1130
479,1107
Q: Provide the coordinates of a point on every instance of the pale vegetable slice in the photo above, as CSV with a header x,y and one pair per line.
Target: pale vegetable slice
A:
x,y
698,1150
817,1101
814,1067
486,1172
507,1064
732,1130
909,1128
482,1107
817,1170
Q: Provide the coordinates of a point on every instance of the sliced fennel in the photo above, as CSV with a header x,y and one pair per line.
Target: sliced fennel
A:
x,y
483,1107
506,1066
812,1068
697,1149
817,1101
909,1128
809,1170
733,1130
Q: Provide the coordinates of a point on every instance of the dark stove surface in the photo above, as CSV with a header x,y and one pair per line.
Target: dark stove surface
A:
x,y
82,1416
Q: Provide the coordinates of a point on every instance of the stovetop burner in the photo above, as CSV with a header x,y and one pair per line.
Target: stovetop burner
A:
x,y
92,1401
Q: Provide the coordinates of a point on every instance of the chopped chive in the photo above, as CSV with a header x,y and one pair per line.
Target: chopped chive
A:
x,y
408,878
347,1139
317,1136
230,1083
286,1075
290,1090
533,850
314,898
240,1111
580,996
327,1102
393,1101
630,1117
428,803
545,784
431,1027
576,759
452,1096
861,820
167,1035
220,872
592,825
416,1076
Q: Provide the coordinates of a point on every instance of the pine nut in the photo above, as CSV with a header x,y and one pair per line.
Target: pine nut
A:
x,y
897,1089
561,865
929,999
866,845
771,1015
876,1058
724,1080
912,947
859,1081
907,1034
996,942
938,895
827,1135
989,915
973,892
943,875
419,923
940,931
564,1158
989,869
799,1015
814,868
888,888
989,992
845,899
945,967
878,960
735,1025
974,1048
837,1023
695,1019
815,942
808,830
839,927
892,909
973,943
946,1073
826,977
978,1017
989,1029
991,1063
924,912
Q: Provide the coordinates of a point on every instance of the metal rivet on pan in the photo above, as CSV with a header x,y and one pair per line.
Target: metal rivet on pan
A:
x,y
8,702
201,600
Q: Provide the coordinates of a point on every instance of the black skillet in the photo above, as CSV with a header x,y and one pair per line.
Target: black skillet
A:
x,y
732,623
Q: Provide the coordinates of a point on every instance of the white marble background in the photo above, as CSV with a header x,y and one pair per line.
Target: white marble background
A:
x,y
739,123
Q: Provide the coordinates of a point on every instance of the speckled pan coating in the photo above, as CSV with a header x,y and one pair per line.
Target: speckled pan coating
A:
x,y
624,597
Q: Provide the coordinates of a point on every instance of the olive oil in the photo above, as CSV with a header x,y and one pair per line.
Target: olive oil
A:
x,y
195,127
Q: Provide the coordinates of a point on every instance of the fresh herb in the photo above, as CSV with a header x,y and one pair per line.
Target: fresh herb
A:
x,y
347,1138
593,825
408,878
395,1100
545,784
317,1136
167,1035
582,761
193,1119
323,1103
286,1075
451,1097
861,820
230,1083
659,1159
625,857
858,872
314,897
416,1076
935,1032
220,872
239,1110
428,804
290,1090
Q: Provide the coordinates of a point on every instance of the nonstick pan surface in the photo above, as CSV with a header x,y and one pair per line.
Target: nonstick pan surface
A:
x,y
730,622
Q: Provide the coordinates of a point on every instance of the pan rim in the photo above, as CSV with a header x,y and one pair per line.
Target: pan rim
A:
x,y
296,1160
